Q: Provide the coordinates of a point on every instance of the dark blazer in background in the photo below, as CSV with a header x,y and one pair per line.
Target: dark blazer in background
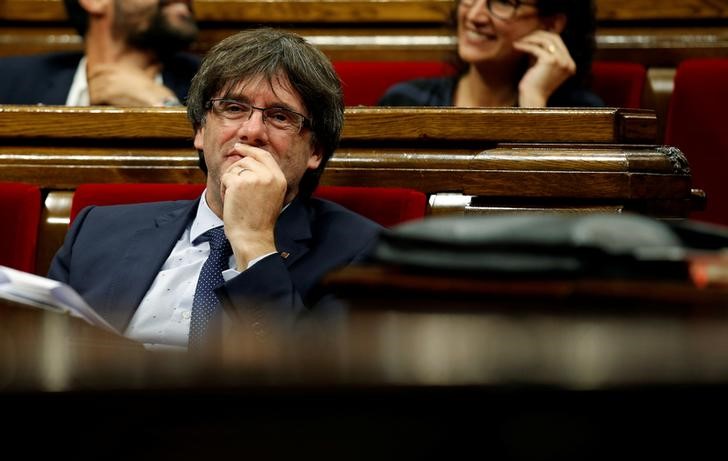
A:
x,y
112,254
46,79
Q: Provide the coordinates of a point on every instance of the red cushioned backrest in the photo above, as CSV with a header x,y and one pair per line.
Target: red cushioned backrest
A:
x,y
364,82
115,194
696,124
20,210
619,84
387,206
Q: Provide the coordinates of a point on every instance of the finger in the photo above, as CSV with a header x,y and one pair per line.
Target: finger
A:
x,y
245,165
548,41
533,49
259,155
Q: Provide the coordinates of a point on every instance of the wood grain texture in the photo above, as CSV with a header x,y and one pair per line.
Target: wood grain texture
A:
x,y
417,11
494,160
367,124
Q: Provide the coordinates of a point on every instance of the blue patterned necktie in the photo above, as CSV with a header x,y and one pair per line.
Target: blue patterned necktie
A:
x,y
205,301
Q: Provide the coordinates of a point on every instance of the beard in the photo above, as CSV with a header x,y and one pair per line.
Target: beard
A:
x,y
160,36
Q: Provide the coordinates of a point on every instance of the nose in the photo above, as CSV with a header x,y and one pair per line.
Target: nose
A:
x,y
253,129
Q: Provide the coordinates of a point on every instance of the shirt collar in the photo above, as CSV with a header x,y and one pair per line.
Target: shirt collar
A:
x,y
205,219
78,94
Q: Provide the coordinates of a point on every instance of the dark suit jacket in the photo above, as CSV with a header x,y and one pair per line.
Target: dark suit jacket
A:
x,y
112,254
46,79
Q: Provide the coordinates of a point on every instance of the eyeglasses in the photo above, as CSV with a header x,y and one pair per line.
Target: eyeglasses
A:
x,y
501,9
275,117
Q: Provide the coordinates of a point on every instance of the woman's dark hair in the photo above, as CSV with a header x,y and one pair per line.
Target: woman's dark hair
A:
x,y
578,35
268,53
77,16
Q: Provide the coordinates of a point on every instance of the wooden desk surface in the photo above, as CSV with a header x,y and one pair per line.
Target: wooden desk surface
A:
x,y
549,125
467,160
415,385
416,11
630,333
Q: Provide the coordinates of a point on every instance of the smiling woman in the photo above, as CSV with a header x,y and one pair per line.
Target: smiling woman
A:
x,y
532,53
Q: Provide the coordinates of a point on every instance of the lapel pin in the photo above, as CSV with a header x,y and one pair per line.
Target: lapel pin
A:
x,y
285,254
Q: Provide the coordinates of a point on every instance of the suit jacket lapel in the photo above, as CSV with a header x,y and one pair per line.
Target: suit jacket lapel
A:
x,y
293,231
144,257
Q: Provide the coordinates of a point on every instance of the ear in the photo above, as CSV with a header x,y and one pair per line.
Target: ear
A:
x,y
95,7
199,138
555,23
315,159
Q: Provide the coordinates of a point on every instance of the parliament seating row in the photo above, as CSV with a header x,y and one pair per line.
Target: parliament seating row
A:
x,y
387,206
466,161
619,84
413,30
21,207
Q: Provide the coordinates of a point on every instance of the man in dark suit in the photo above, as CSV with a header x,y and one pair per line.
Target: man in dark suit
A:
x,y
132,57
267,111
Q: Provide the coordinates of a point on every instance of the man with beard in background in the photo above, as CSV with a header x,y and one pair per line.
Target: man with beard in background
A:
x,y
132,57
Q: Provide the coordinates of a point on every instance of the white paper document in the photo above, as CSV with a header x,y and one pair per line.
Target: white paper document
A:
x,y
34,290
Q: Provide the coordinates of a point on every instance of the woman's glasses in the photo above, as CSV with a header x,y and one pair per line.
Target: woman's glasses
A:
x,y
501,9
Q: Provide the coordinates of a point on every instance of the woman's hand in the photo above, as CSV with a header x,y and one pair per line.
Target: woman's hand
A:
x,y
551,65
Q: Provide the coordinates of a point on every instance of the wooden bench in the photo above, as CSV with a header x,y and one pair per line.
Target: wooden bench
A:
x,y
466,160
636,31
399,29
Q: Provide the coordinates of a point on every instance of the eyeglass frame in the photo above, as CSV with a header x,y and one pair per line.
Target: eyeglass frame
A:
x,y
515,3
305,121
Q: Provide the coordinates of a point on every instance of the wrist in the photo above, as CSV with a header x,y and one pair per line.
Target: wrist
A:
x,y
252,251
169,101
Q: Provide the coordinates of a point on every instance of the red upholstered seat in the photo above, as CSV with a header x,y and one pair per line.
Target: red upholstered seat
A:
x,y
387,206
619,84
696,124
116,194
20,210
364,82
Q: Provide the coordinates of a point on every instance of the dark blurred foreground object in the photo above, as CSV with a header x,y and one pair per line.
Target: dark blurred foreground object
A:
x,y
623,367
550,245
517,263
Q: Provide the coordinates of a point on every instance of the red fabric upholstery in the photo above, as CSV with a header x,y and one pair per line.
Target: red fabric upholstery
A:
x,y
696,124
115,194
387,206
619,84
364,82
20,210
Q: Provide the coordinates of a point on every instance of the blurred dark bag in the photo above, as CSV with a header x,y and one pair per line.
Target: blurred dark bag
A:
x,y
586,245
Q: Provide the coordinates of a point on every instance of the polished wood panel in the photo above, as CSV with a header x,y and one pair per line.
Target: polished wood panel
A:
x,y
600,125
467,160
288,11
